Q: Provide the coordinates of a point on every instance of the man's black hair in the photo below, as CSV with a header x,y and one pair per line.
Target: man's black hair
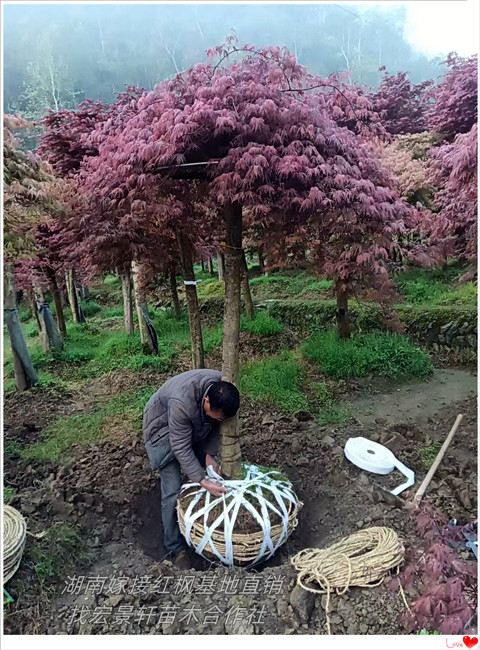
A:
x,y
224,397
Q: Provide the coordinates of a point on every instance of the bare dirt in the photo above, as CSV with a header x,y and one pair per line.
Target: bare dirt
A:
x,y
107,491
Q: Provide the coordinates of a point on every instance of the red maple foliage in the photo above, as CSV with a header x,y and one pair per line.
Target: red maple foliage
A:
x,y
454,102
445,584
454,170
400,104
271,146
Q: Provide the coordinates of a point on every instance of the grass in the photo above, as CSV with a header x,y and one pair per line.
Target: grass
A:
x,y
212,338
436,287
383,353
8,494
276,381
82,429
329,411
428,454
90,308
289,284
59,551
262,325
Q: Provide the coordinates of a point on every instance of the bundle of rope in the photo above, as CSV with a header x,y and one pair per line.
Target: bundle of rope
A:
x,y
363,559
14,535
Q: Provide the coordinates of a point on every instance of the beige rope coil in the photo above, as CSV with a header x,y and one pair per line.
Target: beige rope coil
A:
x,y
363,559
14,535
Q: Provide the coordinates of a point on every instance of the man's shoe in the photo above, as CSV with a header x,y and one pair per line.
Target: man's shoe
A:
x,y
182,561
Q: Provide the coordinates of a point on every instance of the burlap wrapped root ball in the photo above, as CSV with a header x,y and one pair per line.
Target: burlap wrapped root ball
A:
x,y
244,526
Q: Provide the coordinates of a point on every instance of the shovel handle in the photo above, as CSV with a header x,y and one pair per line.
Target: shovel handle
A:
x,y
426,481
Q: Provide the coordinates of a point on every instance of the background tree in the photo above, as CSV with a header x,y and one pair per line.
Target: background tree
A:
x,y
454,101
26,203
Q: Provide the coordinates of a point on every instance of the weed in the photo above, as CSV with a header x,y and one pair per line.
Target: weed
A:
x,y
8,494
428,454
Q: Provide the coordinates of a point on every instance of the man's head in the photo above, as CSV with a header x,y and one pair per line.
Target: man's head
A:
x,y
222,401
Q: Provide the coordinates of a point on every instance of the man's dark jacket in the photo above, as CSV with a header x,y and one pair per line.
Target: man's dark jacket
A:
x,y
174,416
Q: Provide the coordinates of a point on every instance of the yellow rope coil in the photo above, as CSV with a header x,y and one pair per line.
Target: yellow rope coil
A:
x,y
363,559
14,535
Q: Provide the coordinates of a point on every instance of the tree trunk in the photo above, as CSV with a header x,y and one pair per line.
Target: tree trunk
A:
x,y
210,266
261,261
44,340
247,294
343,323
126,279
185,248
203,264
59,309
72,296
221,266
50,336
25,375
174,292
34,309
57,300
139,299
230,441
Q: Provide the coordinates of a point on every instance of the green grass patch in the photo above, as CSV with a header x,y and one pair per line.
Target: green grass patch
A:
x,y
90,308
30,329
112,281
211,288
289,284
82,429
212,338
383,353
24,313
262,325
9,386
59,551
436,286
428,454
276,381
8,494
329,411
112,312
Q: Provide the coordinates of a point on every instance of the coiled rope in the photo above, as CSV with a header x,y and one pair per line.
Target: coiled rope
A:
x,y
363,559
14,535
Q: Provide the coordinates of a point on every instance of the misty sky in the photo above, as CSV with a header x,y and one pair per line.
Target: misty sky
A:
x,y
434,27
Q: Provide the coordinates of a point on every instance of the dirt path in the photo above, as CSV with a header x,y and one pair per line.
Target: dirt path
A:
x,y
415,401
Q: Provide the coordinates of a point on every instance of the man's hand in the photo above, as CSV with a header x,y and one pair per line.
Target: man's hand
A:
x,y
210,460
215,489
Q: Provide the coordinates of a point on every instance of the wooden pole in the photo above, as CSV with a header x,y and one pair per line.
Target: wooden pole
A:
x,y
426,481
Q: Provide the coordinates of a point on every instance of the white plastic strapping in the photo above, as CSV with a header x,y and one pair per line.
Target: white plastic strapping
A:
x,y
256,483
192,282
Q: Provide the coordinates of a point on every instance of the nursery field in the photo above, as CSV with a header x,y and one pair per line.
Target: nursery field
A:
x,y
75,465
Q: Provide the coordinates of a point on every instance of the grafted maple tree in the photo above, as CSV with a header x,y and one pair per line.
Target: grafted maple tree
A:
x,y
454,169
269,147
28,201
453,107
401,104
